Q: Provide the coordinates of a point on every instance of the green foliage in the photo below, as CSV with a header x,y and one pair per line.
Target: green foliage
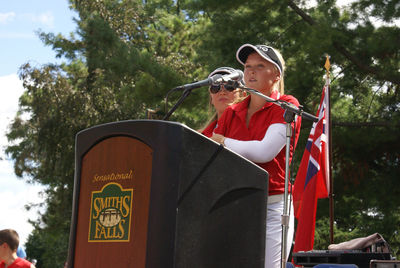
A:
x,y
126,55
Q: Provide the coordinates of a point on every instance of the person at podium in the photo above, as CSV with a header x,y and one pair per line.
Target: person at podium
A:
x,y
221,96
256,129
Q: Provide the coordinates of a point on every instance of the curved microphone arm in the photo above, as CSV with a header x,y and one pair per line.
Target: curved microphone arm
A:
x,y
166,99
184,95
187,89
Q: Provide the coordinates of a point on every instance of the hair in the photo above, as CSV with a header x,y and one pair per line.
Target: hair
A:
x,y
10,237
280,86
213,113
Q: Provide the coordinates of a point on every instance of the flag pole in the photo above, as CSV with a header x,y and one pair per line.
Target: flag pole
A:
x,y
331,221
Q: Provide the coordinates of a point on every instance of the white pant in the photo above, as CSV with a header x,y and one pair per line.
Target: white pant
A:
x,y
274,234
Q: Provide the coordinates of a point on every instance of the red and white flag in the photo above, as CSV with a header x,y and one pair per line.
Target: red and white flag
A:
x,y
312,180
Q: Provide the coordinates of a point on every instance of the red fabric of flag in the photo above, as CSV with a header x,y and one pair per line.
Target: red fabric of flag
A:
x,y
312,178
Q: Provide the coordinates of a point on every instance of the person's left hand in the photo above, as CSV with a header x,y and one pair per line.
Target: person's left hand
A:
x,y
218,138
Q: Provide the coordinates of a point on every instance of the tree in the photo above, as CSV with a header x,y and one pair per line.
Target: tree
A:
x,y
365,97
114,72
126,55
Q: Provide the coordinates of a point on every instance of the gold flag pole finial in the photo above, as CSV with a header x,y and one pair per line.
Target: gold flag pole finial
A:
x,y
327,65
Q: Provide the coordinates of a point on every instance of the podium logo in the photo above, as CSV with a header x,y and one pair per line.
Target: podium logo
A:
x,y
110,214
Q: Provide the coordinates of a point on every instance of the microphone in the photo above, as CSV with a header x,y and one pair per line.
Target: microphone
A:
x,y
237,75
202,83
216,79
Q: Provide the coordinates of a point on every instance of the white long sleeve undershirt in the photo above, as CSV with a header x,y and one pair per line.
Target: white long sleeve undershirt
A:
x,y
264,150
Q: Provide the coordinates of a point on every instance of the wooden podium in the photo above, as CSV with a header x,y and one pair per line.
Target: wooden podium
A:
x,y
157,194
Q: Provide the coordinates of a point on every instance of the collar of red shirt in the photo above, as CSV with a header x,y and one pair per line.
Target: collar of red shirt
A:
x,y
245,103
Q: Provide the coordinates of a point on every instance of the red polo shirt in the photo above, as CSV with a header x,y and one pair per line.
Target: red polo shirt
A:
x,y
232,124
18,263
208,131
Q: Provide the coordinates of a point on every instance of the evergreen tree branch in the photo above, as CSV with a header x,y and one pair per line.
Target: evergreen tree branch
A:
x,y
301,13
366,69
342,50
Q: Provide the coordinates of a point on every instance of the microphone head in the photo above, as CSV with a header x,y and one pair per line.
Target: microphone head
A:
x,y
225,74
222,71
240,76
215,78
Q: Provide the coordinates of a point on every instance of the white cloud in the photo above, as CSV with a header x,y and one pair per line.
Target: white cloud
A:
x,y
12,204
45,19
36,21
7,17
14,192
10,90
14,195
15,35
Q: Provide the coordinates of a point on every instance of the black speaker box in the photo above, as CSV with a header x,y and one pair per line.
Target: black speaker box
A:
x,y
359,258
385,264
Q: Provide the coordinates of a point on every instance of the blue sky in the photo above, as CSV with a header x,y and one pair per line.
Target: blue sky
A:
x,y
19,20
19,44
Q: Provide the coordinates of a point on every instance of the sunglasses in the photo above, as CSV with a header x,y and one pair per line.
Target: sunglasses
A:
x,y
214,89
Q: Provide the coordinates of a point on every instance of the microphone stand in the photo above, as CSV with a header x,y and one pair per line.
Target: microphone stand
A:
x,y
290,112
184,95
187,89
